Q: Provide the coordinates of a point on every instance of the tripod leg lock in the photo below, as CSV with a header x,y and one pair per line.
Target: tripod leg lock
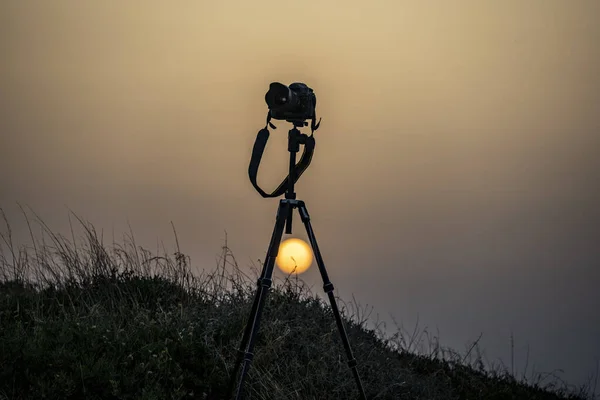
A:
x,y
248,356
352,363
328,287
265,282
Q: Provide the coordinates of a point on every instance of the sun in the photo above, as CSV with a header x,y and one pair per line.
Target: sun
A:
x,y
295,256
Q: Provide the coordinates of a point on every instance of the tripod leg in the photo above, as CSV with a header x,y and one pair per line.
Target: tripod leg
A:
x,y
328,287
264,283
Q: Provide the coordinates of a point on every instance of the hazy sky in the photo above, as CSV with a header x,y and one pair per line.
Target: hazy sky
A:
x,y
456,170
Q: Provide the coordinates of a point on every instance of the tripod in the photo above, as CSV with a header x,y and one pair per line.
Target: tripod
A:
x,y
284,219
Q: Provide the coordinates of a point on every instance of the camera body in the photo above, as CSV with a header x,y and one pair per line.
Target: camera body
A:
x,y
295,103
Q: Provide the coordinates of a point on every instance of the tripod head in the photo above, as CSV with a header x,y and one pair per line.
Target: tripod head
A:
x,y
295,139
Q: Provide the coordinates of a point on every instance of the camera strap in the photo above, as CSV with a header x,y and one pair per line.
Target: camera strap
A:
x,y
259,147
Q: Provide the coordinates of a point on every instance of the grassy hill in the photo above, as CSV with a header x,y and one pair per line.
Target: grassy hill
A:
x,y
80,320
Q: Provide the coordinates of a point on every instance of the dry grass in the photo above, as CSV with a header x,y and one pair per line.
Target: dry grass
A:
x,y
81,319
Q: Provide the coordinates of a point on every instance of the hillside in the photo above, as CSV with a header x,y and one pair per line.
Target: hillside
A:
x,y
93,322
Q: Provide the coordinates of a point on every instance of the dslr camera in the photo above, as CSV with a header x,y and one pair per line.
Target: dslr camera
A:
x,y
295,103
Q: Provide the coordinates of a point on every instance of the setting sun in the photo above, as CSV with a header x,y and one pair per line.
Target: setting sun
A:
x,y
295,256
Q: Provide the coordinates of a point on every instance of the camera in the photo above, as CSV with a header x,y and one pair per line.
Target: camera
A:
x,y
295,103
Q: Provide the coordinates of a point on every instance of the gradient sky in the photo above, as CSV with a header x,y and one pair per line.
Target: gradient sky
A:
x,y
455,177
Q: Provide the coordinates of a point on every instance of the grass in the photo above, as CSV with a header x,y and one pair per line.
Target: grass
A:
x,y
83,320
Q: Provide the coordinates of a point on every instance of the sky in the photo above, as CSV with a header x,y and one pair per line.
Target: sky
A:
x,y
455,181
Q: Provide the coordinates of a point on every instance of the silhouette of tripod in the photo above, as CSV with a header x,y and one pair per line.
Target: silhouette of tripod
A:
x,y
284,219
